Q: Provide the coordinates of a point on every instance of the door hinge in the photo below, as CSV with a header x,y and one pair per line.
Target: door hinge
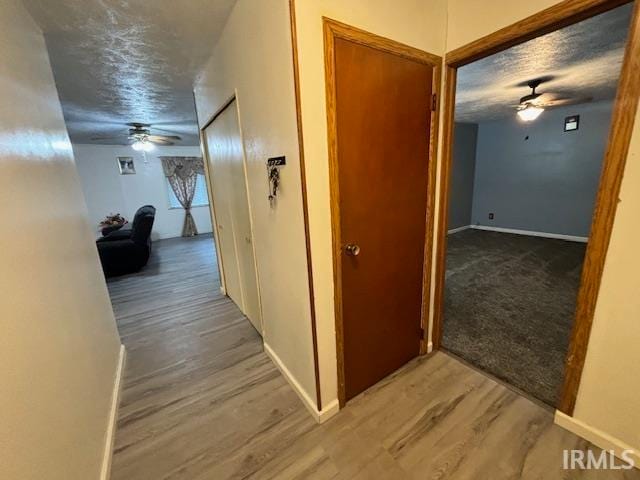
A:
x,y
434,102
422,333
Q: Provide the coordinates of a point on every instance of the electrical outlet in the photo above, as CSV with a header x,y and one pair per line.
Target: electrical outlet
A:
x,y
491,216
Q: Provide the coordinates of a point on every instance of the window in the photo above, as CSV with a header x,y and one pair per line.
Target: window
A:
x,y
200,198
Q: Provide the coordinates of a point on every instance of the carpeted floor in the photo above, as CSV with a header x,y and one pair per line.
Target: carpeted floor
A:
x,y
509,306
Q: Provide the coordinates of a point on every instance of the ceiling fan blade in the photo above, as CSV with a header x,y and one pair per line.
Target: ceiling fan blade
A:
x,y
160,141
176,125
561,102
174,129
541,99
170,137
163,137
111,137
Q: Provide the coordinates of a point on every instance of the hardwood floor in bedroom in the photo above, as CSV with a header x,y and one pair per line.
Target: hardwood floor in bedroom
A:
x,y
202,400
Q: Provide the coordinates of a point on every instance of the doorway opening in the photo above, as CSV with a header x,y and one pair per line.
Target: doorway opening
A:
x,y
529,195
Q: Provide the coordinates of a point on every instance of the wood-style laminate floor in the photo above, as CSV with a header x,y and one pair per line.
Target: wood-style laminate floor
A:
x,y
202,401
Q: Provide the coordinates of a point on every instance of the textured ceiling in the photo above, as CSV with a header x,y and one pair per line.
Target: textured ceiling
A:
x,y
119,61
584,59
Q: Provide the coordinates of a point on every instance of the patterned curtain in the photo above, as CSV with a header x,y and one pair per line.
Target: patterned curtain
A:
x,y
182,174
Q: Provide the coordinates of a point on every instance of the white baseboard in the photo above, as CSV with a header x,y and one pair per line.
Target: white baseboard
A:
x,y
458,229
320,416
105,472
328,411
597,437
570,238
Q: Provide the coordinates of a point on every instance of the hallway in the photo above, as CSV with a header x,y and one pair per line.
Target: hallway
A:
x,y
110,106
198,385
202,401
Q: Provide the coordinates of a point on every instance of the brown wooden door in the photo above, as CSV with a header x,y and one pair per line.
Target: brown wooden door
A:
x,y
383,115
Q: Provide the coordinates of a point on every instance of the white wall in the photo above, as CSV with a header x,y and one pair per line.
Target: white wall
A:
x,y
419,23
254,59
59,346
106,191
610,386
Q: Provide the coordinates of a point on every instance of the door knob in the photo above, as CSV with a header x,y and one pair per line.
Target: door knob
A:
x,y
352,250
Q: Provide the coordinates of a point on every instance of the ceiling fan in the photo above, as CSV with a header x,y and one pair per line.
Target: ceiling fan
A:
x,y
141,138
532,105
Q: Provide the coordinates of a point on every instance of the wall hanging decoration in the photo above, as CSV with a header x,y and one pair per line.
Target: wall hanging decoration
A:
x,y
126,166
571,123
273,175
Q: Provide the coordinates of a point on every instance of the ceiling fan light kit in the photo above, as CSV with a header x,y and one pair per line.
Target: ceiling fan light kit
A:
x,y
142,139
532,105
143,145
530,113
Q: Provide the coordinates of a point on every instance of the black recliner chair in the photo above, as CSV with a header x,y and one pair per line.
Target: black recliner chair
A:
x,y
127,250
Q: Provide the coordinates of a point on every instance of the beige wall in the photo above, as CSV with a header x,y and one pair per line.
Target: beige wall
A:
x,y
59,344
609,392
249,59
419,23
469,20
606,397
253,56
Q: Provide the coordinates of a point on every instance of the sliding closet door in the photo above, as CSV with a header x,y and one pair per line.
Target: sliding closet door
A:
x,y
220,178
231,201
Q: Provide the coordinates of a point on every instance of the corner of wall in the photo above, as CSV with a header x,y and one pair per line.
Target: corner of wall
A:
x,y
110,434
599,438
320,416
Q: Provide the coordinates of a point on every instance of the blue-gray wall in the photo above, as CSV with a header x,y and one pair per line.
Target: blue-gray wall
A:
x,y
462,174
546,183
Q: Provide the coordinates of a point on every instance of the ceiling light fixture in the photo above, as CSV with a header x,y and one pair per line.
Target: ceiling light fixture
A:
x,y
530,113
142,145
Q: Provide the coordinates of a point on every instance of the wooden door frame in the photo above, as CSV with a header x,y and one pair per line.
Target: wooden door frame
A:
x,y
626,104
333,30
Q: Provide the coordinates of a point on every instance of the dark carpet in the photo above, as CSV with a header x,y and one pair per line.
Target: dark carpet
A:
x,y
509,306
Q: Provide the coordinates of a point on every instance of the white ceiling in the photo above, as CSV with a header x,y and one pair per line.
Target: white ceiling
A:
x,y
119,61
584,59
